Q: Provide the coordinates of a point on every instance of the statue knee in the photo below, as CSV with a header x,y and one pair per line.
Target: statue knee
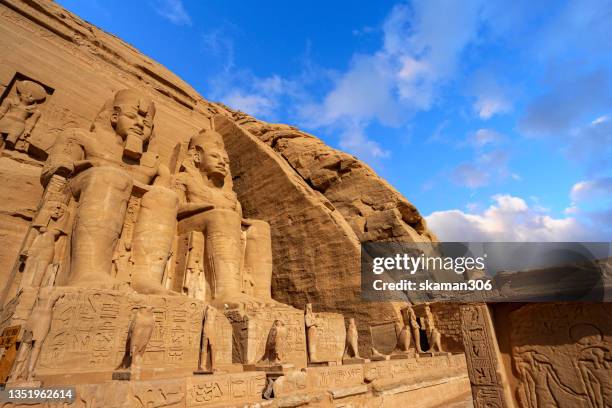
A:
x,y
258,228
227,217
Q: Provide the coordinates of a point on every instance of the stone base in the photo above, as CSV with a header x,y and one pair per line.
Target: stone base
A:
x,y
24,384
434,353
355,360
402,355
272,368
88,335
203,372
122,375
432,381
325,364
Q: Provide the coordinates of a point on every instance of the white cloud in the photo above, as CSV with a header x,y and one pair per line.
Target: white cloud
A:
x,y
256,105
353,139
491,98
174,11
485,137
591,144
592,189
488,105
509,219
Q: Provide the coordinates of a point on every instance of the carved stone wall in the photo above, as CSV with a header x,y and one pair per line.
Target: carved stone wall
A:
x,y
329,206
488,379
557,354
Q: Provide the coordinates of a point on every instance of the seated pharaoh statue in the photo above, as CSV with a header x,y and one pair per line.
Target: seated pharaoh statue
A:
x,y
237,252
102,169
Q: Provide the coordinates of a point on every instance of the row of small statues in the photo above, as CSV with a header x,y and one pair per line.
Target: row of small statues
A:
x,y
143,322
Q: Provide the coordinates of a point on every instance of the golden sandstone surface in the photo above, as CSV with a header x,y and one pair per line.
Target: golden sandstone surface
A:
x,y
161,250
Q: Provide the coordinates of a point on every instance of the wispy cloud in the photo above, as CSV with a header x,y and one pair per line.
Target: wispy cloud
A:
x,y
490,97
422,44
587,190
173,11
483,170
566,103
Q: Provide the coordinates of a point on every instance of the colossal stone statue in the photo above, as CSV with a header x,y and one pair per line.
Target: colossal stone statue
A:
x,y
104,166
209,205
19,115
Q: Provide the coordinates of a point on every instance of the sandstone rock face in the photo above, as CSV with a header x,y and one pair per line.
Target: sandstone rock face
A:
x,y
329,201
372,207
150,235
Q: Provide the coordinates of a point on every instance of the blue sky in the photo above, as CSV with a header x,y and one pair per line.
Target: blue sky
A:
x,y
494,118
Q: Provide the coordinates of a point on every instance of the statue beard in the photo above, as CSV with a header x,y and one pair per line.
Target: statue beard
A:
x,y
217,177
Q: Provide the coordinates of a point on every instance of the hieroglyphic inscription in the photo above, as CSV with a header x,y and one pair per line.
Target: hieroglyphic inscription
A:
x,y
482,362
329,338
252,333
384,337
214,389
223,341
317,378
412,366
157,394
91,326
562,354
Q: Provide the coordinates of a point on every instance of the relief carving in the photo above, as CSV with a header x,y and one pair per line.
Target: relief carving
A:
x,y
485,372
20,113
572,370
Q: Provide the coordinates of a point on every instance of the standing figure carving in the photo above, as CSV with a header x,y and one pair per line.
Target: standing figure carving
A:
x,y
104,166
403,338
352,340
36,330
139,334
433,335
273,353
48,225
206,362
209,205
19,115
416,330
311,330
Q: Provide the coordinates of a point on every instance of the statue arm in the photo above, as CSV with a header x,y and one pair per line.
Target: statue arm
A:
x,y
31,122
187,208
64,154
6,104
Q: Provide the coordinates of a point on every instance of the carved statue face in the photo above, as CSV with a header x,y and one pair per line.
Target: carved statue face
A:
x,y
27,98
128,120
58,211
214,162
